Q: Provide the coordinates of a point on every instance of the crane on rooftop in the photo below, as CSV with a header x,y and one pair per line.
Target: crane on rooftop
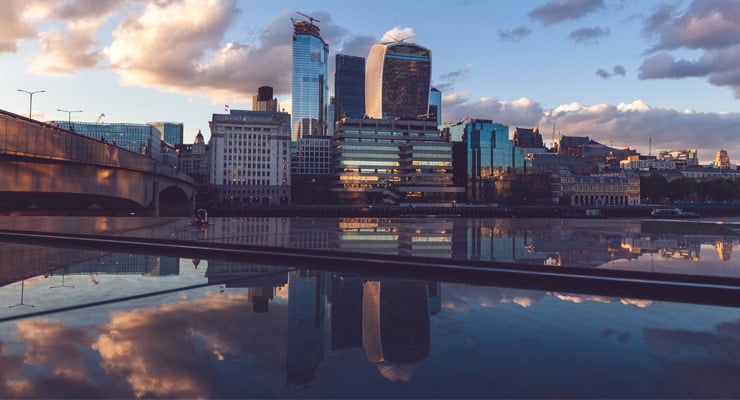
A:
x,y
310,18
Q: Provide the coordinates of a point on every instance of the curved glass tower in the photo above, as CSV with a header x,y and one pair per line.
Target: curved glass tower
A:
x,y
397,80
310,83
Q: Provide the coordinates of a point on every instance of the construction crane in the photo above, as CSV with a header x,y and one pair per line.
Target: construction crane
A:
x,y
310,18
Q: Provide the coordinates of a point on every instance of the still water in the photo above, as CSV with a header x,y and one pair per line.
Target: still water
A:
x,y
86,323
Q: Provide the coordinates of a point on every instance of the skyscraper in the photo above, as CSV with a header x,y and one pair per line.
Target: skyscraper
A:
x,y
349,87
397,81
310,84
263,100
435,105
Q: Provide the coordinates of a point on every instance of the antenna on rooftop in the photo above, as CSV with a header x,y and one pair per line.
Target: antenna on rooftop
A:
x,y
310,18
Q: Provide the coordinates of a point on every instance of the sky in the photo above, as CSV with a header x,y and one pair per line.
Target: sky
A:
x,y
648,75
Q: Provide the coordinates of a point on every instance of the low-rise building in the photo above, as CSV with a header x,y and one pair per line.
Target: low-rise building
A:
x,y
615,189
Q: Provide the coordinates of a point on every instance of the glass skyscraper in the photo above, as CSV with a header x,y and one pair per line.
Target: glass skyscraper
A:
x,y
398,80
490,153
170,132
310,84
349,87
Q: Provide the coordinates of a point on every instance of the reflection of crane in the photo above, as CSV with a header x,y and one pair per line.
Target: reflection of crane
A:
x,y
100,118
310,18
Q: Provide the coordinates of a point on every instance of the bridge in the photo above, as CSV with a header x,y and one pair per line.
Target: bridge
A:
x,y
46,169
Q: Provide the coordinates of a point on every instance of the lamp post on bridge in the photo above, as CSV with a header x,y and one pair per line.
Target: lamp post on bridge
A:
x,y
30,102
69,116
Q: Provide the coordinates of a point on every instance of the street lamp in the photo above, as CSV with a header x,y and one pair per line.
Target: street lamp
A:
x,y
69,115
30,103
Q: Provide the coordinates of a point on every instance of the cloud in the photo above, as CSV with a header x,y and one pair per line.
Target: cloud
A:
x,y
66,52
514,35
397,34
14,26
617,70
556,11
707,26
446,82
521,112
588,35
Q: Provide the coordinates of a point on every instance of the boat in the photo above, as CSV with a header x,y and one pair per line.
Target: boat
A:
x,y
672,213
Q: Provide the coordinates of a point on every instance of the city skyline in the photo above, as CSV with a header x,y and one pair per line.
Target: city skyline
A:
x,y
650,76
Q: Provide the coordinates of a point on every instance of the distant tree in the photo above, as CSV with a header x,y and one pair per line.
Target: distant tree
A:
x,y
654,188
719,190
682,189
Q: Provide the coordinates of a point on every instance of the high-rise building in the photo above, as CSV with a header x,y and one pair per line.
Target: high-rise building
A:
x,y
435,104
489,153
397,81
528,138
250,157
722,160
310,81
349,87
263,100
170,132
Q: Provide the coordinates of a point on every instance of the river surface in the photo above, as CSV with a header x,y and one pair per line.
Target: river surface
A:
x,y
88,323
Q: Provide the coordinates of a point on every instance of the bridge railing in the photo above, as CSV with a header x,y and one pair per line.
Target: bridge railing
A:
x,y
26,137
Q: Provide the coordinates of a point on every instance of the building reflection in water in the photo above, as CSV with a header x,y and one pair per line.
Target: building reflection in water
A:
x,y
306,314
260,280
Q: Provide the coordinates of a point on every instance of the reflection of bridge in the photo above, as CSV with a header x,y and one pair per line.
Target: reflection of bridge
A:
x,y
48,168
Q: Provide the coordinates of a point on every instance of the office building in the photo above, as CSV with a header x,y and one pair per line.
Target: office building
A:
x,y
722,160
349,87
139,138
263,100
193,159
170,132
620,189
391,161
397,81
310,85
683,158
435,105
489,153
524,137
250,157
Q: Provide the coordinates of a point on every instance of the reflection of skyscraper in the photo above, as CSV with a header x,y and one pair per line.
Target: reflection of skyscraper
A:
x,y
261,279
395,321
306,310
310,85
346,312
349,86
397,80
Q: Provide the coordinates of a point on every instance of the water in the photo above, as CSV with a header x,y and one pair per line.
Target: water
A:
x,y
152,326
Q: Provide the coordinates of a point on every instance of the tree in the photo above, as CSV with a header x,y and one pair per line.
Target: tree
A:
x,y
653,188
682,189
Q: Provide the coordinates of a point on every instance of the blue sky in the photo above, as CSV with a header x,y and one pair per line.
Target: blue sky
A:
x,y
622,72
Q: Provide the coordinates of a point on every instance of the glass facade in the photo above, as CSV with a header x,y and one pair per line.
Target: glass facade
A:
x,y
435,104
170,132
398,81
139,138
310,87
349,87
490,153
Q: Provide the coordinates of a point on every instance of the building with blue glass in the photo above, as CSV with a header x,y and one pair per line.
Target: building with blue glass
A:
x,y
139,138
310,85
398,81
489,153
435,104
349,87
170,132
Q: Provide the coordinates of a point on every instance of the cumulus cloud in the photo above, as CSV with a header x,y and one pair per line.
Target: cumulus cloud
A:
x,y
398,34
514,35
521,112
556,11
14,26
66,52
617,70
588,35
707,26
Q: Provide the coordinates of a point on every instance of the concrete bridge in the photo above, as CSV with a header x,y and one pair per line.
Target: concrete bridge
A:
x,y
46,169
